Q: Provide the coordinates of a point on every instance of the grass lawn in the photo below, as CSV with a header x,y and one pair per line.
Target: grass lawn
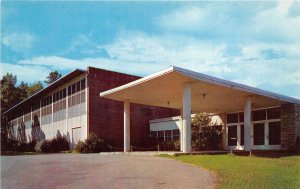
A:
x,y
249,172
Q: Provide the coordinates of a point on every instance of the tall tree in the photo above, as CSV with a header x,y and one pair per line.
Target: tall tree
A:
x,y
53,76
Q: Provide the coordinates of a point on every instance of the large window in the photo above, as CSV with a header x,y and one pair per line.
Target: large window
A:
x,y
232,118
259,133
259,115
242,134
168,135
176,133
161,136
232,135
274,133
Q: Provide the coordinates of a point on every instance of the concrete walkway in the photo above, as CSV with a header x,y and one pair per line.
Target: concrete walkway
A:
x,y
96,171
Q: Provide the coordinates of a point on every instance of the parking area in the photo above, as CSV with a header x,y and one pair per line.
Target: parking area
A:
x,y
95,171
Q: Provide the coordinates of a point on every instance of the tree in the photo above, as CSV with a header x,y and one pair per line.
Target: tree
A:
x,y
205,134
35,87
53,76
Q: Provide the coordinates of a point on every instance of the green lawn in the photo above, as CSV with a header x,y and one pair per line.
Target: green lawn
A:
x,y
249,172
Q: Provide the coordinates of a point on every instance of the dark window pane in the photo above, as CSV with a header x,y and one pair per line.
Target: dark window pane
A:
x,y
274,113
168,135
242,135
73,89
82,84
64,93
274,133
232,135
232,118
241,117
147,111
78,86
258,115
69,90
161,135
259,133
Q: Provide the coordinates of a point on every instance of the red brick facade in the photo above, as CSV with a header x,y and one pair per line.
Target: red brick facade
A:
x,y
105,116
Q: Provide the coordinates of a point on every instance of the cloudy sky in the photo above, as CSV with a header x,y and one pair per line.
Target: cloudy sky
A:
x,y
255,43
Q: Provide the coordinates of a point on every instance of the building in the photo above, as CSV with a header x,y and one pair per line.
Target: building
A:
x,y
71,106
254,119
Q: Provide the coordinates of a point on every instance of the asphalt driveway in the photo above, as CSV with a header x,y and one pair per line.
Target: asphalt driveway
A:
x,y
95,171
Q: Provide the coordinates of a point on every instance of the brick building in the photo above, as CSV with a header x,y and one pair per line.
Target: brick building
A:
x,y
71,106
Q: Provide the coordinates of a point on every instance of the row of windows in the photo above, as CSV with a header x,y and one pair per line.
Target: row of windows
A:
x,y
167,135
61,105
257,115
76,99
76,87
259,135
46,110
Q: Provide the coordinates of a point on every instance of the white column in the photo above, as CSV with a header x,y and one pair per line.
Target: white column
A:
x,y
247,125
181,130
186,118
126,126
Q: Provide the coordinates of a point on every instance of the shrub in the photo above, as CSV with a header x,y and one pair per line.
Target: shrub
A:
x,y
93,144
57,144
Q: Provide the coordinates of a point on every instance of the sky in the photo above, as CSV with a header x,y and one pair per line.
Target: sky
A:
x,y
254,43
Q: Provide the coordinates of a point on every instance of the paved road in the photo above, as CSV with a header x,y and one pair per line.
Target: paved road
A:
x,y
95,171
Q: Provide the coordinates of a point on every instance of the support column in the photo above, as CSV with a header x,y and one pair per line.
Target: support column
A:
x,y
181,130
126,126
186,118
247,127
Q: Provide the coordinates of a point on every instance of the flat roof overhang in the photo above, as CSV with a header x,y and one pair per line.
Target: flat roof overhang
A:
x,y
209,94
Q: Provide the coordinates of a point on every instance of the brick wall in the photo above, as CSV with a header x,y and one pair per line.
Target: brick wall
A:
x,y
290,125
105,116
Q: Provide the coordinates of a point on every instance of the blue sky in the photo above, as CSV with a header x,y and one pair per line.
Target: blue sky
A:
x,y
255,43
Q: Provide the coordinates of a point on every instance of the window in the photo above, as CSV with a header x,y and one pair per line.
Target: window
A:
x,y
274,133
147,111
161,135
176,133
83,84
153,134
232,135
73,89
274,113
258,115
259,133
168,135
64,93
242,134
69,90
241,117
232,118
78,86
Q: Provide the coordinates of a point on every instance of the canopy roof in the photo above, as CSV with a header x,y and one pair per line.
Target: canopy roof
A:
x,y
209,94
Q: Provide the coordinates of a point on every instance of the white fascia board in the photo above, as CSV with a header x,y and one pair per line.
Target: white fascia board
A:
x,y
234,85
137,82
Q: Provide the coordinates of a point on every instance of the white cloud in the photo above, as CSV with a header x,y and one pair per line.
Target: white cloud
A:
x,y
19,42
187,19
24,72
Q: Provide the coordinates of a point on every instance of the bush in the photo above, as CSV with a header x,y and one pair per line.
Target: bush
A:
x,y
57,144
93,144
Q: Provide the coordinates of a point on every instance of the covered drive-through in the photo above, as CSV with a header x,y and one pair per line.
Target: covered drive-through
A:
x,y
190,92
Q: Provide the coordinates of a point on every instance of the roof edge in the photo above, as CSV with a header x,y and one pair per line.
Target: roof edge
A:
x,y
136,82
235,85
